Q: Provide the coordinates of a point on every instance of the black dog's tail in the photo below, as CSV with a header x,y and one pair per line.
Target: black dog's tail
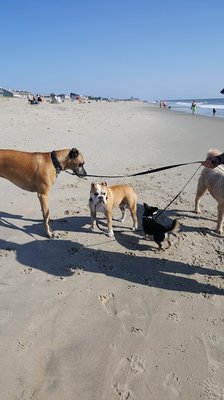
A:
x,y
174,227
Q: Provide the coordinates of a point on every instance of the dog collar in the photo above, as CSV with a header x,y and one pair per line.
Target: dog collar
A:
x,y
55,162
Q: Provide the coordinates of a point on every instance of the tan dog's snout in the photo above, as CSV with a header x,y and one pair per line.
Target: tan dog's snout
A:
x,y
76,162
80,171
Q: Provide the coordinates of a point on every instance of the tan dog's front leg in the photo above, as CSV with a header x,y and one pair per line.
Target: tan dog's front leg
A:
x,y
109,224
43,198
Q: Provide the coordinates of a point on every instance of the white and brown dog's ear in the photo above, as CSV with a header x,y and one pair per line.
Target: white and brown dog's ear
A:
x,y
103,183
92,185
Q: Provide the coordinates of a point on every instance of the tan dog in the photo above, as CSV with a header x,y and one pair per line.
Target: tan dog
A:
x,y
104,198
213,181
37,172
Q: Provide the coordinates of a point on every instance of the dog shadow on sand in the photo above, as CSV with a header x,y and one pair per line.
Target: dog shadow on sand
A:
x,y
190,215
61,257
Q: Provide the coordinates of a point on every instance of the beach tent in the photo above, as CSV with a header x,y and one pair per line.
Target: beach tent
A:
x,y
61,97
73,96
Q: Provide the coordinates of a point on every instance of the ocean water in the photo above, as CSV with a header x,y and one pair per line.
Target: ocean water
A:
x,y
204,106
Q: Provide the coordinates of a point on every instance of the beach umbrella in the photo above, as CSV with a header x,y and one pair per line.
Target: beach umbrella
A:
x,y
222,91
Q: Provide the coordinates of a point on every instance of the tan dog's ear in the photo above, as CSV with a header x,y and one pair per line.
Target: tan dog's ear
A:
x,y
73,153
92,185
104,183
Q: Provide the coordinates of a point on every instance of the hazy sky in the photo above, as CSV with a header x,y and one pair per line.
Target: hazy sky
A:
x,y
113,48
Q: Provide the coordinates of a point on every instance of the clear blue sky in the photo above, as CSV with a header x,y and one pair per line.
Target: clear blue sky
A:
x,y
114,48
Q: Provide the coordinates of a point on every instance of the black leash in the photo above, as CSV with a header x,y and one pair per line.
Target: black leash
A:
x,y
178,193
149,171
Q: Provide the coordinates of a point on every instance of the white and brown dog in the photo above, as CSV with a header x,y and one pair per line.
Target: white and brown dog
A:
x,y
104,198
213,181
37,172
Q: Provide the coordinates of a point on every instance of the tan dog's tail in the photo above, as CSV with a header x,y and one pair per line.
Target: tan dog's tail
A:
x,y
214,152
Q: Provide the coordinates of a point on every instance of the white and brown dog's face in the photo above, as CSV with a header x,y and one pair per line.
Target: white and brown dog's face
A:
x,y
98,193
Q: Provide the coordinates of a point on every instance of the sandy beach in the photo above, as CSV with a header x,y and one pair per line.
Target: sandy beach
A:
x,y
88,317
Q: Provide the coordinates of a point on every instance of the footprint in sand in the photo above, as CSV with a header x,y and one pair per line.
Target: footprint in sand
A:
x,y
137,331
172,385
137,365
122,392
28,270
108,302
213,390
128,369
214,345
23,346
28,394
34,325
175,317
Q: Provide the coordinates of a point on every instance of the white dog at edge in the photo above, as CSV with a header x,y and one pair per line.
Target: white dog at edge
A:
x,y
213,181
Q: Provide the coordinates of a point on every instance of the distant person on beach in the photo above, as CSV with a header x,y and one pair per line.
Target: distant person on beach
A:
x,y
162,103
193,107
214,161
39,98
213,111
32,99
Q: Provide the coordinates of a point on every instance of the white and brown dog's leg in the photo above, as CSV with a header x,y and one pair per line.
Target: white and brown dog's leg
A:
x,y
201,189
109,224
123,212
220,218
93,216
134,217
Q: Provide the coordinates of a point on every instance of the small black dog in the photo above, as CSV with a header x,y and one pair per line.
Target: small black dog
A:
x,y
152,227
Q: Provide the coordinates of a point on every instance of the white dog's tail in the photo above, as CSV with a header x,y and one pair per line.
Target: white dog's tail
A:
x,y
214,152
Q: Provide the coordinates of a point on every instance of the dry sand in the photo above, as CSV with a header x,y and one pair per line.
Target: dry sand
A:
x,y
87,317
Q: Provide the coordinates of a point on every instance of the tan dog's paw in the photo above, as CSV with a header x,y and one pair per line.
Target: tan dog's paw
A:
x,y
110,234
